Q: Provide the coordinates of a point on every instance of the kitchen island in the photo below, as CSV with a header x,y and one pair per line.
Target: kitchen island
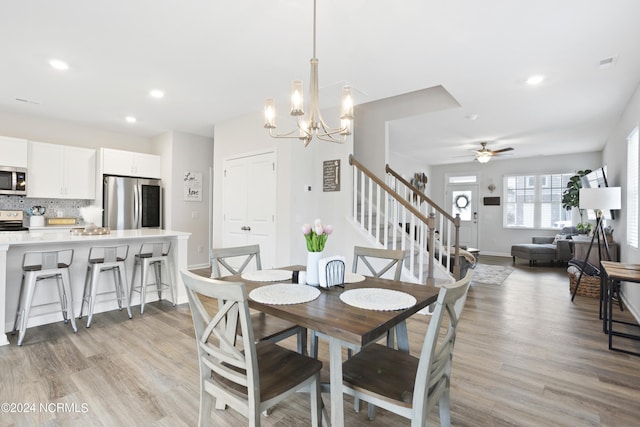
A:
x,y
13,245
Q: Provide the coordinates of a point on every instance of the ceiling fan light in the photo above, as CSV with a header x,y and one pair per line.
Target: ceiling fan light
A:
x,y
483,157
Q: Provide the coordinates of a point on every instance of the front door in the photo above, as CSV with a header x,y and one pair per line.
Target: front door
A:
x,y
249,198
462,199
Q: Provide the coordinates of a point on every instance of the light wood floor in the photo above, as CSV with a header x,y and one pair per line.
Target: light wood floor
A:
x,y
525,356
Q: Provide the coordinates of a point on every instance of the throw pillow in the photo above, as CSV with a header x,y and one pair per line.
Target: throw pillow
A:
x,y
559,237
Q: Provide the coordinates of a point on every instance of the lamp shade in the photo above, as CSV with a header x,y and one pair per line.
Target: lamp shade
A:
x,y
602,198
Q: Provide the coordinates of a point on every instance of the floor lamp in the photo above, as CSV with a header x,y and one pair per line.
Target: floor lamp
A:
x,y
599,199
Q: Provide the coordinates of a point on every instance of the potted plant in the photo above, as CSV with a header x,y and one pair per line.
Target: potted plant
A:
x,y
571,198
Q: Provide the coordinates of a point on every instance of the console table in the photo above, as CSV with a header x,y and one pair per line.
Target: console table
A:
x,y
580,248
611,273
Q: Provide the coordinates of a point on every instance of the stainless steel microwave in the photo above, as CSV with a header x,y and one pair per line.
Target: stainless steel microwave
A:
x,y
13,181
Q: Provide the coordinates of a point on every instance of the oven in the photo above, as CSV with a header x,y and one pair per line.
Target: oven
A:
x,y
13,181
11,220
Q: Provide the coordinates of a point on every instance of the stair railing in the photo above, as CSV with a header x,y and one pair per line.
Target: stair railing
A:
x,y
386,216
447,227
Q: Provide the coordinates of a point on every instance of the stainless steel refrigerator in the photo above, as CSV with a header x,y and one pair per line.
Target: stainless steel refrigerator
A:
x,y
131,203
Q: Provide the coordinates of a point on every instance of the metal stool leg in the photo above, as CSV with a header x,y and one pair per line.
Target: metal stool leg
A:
x,y
66,282
157,272
30,283
84,292
93,292
133,280
143,284
19,310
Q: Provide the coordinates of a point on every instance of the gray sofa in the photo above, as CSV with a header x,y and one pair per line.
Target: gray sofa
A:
x,y
548,248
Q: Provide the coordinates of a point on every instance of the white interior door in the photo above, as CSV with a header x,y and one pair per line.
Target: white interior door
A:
x,y
249,197
463,199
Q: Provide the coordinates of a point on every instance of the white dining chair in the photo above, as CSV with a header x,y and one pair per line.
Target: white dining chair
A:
x,y
265,327
407,385
250,377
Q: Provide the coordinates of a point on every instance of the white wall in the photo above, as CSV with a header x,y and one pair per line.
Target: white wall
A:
x,y
407,166
246,135
615,155
183,152
371,124
297,168
493,238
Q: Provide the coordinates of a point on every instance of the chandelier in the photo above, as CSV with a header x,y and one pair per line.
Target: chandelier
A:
x,y
313,124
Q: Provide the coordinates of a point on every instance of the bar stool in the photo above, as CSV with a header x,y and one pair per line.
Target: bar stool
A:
x,y
39,266
105,258
155,254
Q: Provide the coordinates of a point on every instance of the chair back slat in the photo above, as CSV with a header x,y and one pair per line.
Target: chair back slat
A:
x,y
108,254
225,257
154,249
366,255
219,350
434,368
48,260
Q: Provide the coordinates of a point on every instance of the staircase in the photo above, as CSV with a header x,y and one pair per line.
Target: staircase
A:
x,y
397,215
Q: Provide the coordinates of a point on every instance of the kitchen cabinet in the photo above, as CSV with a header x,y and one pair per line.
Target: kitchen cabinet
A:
x,y
60,171
14,152
129,163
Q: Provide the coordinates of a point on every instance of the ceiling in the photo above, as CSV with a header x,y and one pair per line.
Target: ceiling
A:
x,y
218,60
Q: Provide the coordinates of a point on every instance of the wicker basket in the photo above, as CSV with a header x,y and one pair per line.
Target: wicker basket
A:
x,y
589,285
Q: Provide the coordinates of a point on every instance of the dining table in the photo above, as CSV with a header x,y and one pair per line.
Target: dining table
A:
x,y
342,323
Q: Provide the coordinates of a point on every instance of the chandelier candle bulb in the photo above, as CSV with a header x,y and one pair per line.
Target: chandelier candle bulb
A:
x,y
346,127
304,132
269,114
297,99
347,103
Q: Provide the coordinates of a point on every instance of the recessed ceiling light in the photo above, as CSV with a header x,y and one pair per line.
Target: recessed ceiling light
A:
x,y
472,117
534,80
58,64
157,93
130,119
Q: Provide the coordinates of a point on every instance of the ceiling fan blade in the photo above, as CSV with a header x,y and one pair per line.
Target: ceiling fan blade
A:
x,y
502,150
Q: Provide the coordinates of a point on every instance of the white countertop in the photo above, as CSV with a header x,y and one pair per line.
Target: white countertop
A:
x,y
34,237
53,227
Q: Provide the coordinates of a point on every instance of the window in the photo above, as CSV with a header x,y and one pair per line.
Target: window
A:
x,y
535,201
467,179
632,188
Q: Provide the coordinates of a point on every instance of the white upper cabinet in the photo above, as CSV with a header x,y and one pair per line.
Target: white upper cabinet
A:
x,y
13,152
61,171
129,163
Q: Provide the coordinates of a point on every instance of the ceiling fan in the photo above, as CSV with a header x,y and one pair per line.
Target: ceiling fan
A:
x,y
484,154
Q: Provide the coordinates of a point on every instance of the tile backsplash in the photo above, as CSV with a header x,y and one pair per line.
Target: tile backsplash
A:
x,y
54,207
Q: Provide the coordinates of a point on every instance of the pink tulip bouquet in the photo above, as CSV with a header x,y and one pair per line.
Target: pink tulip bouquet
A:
x,y
316,236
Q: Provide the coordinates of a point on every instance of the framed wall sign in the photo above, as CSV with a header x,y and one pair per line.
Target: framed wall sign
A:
x,y
192,186
492,201
331,175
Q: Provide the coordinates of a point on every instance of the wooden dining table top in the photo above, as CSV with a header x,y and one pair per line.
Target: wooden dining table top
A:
x,y
329,315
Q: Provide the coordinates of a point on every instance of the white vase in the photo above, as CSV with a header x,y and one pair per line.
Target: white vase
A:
x,y
313,258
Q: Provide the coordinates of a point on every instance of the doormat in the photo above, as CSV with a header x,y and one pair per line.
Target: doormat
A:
x,y
490,274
